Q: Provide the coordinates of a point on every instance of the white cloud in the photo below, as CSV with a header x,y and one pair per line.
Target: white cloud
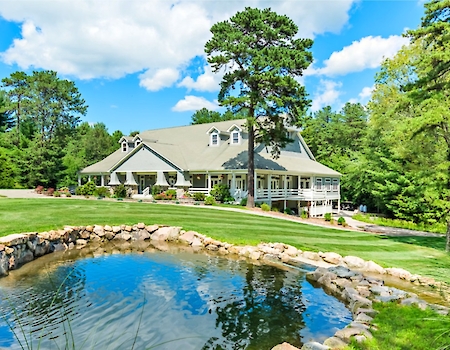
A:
x,y
208,81
161,78
90,39
364,95
327,94
194,103
369,52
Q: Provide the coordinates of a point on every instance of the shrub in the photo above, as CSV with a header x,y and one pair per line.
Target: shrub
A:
x,y
120,191
341,221
64,189
87,189
243,202
304,214
50,191
156,190
288,211
332,221
102,192
210,200
265,207
327,216
171,194
68,194
220,192
39,189
56,194
199,196
275,210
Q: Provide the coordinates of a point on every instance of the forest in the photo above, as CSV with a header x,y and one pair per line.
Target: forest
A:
x,y
393,153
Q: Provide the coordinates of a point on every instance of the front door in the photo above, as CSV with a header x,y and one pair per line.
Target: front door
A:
x,y
141,183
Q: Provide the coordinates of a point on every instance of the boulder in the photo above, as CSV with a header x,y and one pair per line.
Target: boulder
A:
x,y
81,242
123,236
363,318
348,332
311,256
332,258
187,237
399,273
166,234
4,264
335,343
312,345
140,235
255,255
342,271
109,235
284,346
99,230
140,226
372,267
196,243
152,228
354,262
291,251
116,229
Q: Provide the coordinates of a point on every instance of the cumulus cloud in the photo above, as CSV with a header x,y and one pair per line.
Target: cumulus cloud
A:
x,y
194,103
364,95
369,52
208,81
327,94
109,39
161,78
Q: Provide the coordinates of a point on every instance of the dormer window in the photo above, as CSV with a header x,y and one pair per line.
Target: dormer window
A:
x,y
138,142
214,139
235,137
124,146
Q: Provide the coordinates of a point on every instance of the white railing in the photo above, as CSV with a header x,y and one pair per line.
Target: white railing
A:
x,y
296,194
146,191
198,190
239,194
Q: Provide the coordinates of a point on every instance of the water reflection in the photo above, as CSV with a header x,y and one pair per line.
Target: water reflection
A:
x,y
193,301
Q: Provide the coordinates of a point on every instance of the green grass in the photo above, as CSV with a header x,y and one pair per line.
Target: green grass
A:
x,y
410,329
419,255
437,228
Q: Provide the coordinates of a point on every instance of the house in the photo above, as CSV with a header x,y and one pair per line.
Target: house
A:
x,y
196,157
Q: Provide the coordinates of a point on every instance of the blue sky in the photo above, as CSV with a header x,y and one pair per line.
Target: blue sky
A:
x,y
139,64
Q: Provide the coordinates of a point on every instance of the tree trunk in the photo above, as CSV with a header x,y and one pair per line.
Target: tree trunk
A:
x,y
251,166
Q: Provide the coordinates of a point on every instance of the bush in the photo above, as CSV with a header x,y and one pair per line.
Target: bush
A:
x,y
156,190
327,216
120,191
220,192
288,211
199,196
68,194
39,189
56,194
171,194
341,221
243,202
304,214
167,195
102,192
275,210
265,207
210,200
87,189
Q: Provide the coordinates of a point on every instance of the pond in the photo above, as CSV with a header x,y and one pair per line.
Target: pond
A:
x,y
145,298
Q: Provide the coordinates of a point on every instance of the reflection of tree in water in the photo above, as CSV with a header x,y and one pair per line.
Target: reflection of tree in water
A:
x,y
270,312
42,307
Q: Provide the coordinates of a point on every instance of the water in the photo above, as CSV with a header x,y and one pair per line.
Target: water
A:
x,y
173,299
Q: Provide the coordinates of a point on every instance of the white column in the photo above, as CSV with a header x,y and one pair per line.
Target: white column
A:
x,y
89,178
102,180
269,188
285,190
255,184
233,184
79,180
209,183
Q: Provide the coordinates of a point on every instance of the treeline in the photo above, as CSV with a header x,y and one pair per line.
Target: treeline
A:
x,y
42,139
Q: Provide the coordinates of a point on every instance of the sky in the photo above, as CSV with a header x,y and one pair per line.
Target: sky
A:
x,y
140,64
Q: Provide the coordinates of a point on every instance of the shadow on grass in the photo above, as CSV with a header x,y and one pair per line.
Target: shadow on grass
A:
x,y
428,242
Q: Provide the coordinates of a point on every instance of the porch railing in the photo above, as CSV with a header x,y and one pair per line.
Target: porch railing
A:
x,y
296,194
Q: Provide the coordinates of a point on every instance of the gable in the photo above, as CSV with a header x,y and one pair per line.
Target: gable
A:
x,y
144,160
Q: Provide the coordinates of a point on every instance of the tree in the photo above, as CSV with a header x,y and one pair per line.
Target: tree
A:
x,y
263,58
431,90
204,115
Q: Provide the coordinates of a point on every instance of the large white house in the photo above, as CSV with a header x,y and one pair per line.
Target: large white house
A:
x,y
196,157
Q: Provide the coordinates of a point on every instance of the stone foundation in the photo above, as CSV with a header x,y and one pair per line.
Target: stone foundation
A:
x,y
343,277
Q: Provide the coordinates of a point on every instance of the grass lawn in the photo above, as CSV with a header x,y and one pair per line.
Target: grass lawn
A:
x,y
420,255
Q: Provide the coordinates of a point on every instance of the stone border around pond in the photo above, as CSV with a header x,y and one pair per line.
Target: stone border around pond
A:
x,y
340,276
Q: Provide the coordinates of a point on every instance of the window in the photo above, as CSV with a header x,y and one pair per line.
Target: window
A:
x,y
235,137
138,142
318,184
214,139
124,147
335,184
328,184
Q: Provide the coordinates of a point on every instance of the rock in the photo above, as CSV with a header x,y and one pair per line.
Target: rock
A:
x,y
108,228
335,343
81,242
140,226
285,257
152,228
379,290
196,243
399,273
84,234
284,346
316,274
212,247
42,249
354,262
255,255
187,237
4,264
370,266
342,271
314,346
2,247
414,300
9,250
166,234
58,247
326,279
291,251
99,230
348,332
311,256
128,228
371,312
123,236
116,229
358,301
89,228
332,258
279,247
363,318
25,257
140,235
109,235
223,250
